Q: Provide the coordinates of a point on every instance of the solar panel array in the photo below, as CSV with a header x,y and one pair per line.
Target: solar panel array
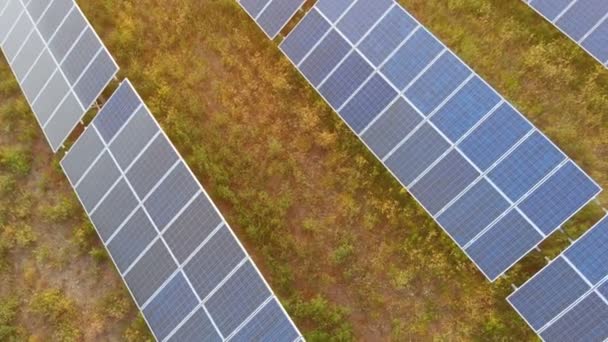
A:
x,y
271,15
584,21
185,268
568,299
492,180
58,59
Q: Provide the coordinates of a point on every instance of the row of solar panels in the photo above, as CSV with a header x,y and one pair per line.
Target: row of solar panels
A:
x,y
491,179
186,270
584,21
495,183
188,273
568,299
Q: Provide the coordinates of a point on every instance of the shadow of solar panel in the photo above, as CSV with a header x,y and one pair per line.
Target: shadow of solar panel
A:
x,y
548,293
581,17
503,245
587,321
473,212
444,182
391,127
590,253
361,17
345,80
196,326
387,35
131,240
495,136
172,304
213,262
530,162
305,36
424,147
114,209
84,152
192,227
269,324
469,105
150,272
237,299
369,101
439,81
277,14
560,197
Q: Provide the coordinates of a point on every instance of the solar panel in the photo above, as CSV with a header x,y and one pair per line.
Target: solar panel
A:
x,y
187,272
58,60
271,15
494,182
584,21
566,300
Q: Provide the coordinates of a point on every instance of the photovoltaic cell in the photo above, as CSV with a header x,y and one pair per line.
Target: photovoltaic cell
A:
x,y
324,58
195,327
305,36
587,321
361,17
597,42
333,9
50,97
473,212
581,17
559,198
83,52
590,253
162,271
254,7
346,79
213,262
53,16
96,77
170,306
27,56
368,102
551,291
277,14
67,34
550,8
270,324
238,298
526,166
391,127
387,35
37,7
97,181
504,244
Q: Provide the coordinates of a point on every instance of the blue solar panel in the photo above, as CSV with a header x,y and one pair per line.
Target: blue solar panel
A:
x,y
503,245
116,111
345,80
590,253
603,290
473,212
411,58
151,166
424,146
391,127
597,42
562,195
333,9
587,321
170,306
136,234
195,327
277,14
254,7
361,17
546,295
238,298
495,136
526,166
444,182
582,16
550,8
387,35
369,101
324,58
465,109
437,83
270,324
114,209
304,36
